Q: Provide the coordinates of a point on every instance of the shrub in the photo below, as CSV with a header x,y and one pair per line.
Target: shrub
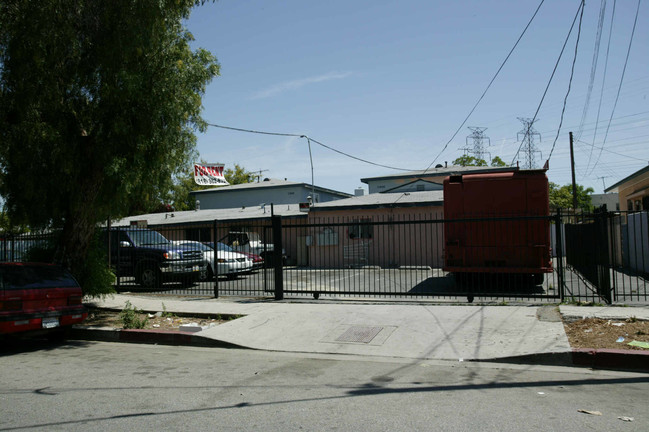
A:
x,y
132,318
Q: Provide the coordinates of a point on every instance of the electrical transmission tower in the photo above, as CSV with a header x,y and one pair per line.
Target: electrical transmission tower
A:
x,y
528,145
477,148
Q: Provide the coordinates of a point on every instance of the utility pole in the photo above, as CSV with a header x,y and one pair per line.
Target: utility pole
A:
x,y
603,184
572,168
477,149
528,145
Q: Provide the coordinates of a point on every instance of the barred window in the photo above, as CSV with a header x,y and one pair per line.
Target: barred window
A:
x,y
361,229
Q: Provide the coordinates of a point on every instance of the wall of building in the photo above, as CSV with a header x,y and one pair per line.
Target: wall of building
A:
x,y
395,238
634,194
611,200
382,185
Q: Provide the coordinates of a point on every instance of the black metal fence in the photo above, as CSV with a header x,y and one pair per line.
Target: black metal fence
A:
x,y
607,257
602,257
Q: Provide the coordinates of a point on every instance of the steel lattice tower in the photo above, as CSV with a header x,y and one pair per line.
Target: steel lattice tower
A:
x,y
477,147
528,145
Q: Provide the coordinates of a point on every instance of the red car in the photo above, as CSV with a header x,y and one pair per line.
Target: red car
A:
x,y
38,298
257,261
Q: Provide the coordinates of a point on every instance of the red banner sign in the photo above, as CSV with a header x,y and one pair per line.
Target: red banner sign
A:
x,y
209,175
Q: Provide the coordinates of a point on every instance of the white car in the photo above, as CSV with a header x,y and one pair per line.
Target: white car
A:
x,y
230,263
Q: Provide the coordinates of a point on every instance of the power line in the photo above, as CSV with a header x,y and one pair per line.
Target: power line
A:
x,y
309,139
601,94
572,73
487,89
556,65
593,66
592,146
626,61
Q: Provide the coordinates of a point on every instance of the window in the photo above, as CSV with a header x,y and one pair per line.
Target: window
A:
x,y
361,228
198,234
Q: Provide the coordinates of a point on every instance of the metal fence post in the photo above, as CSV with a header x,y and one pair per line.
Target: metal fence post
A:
x,y
277,257
119,256
216,266
559,234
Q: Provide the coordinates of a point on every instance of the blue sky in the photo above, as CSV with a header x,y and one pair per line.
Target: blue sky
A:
x,y
392,81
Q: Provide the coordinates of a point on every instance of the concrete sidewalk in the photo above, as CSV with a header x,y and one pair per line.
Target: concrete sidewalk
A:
x,y
459,333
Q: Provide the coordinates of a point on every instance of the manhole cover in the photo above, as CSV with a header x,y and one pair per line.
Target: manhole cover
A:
x,y
359,334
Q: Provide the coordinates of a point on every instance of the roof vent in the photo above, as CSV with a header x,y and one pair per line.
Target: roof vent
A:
x,y
359,191
439,166
266,179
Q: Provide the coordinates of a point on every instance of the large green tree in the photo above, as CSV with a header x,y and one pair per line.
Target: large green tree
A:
x,y
561,196
99,104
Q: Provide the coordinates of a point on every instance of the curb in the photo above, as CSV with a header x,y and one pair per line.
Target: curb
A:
x,y
147,336
593,358
545,359
611,359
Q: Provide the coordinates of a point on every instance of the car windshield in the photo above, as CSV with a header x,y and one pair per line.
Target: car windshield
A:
x,y
147,238
224,247
15,277
195,245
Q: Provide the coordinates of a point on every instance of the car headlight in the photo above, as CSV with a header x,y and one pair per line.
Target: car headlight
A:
x,y
224,260
171,255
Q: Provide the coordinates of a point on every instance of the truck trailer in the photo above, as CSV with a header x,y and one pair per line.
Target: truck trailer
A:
x,y
497,223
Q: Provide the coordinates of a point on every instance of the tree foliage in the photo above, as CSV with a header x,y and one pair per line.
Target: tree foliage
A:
x,y
467,160
561,196
99,103
238,175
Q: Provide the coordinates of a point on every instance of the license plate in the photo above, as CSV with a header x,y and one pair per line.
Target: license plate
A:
x,y
50,322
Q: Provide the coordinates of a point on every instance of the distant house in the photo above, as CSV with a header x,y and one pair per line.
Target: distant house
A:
x,y
420,181
610,200
633,191
265,192
353,231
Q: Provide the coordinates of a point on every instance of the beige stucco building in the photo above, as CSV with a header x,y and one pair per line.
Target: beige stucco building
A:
x,y
633,191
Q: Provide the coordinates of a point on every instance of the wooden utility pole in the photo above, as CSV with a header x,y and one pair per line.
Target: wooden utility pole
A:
x,y
572,168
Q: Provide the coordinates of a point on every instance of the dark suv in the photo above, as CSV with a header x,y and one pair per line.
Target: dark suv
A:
x,y
152,259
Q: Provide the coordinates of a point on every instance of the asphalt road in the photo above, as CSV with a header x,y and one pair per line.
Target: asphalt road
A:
x,y
122,387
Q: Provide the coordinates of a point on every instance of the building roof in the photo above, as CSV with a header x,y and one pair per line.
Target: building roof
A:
x,y
222,215
268,183
384,200
626,179
441,171
412,183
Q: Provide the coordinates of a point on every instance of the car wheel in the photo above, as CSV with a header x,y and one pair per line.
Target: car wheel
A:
x,y
149,276
187,281
206,274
